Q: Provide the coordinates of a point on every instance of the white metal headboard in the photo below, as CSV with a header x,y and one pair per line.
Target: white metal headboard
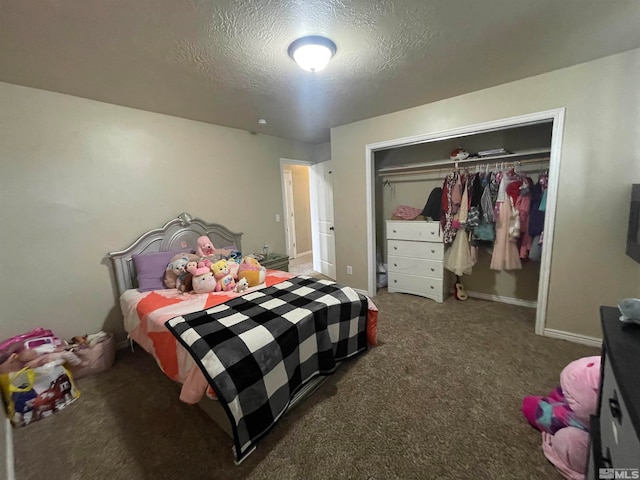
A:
x,y
181,232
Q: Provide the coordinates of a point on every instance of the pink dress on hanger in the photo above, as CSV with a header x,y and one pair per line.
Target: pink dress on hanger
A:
x,y
505,251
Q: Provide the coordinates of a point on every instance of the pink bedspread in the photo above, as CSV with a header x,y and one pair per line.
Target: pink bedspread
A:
x,y
145,314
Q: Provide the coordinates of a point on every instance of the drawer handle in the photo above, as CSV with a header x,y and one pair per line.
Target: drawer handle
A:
x,y
433,251
433,233
433,269
606,460
395,248
432,287
395,281
394,231
395,264
614,406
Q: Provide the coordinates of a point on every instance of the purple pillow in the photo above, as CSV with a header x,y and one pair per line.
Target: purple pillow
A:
x,y
150,269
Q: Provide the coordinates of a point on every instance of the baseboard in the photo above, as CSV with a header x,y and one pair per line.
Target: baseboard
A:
x,y
9,449
573,337
361,292
501,299
301,254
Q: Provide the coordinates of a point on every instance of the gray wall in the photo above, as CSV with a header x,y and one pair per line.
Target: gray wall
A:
x,y
82,178
600,160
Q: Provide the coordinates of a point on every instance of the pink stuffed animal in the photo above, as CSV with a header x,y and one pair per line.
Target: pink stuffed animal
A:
x,y
205,246
203,280
563,416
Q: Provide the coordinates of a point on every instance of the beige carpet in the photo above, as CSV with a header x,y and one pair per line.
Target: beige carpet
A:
x,y
439,398
302,265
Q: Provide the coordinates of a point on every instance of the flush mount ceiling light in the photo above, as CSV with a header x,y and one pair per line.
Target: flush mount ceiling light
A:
x,y
312,53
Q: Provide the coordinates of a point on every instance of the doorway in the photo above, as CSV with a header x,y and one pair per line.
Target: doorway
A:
x,y
554,116
308,216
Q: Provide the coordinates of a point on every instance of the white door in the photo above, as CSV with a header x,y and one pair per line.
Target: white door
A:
x,y
324,246
289,214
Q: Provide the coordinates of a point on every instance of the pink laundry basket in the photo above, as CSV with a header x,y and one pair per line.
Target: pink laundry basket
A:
x,y
95,359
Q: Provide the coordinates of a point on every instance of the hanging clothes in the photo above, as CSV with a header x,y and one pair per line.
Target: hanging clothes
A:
x,y
505,251
476,191
457,258
536,216
464,205
448,231
487,205
433,207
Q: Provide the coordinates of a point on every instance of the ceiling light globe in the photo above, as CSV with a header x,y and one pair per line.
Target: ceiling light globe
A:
x,y
312,58
312,53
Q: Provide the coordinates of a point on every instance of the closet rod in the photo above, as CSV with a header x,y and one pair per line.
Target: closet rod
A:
x,y
480,161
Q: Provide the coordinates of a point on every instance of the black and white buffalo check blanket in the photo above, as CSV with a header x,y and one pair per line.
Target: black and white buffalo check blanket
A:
x,y
259,349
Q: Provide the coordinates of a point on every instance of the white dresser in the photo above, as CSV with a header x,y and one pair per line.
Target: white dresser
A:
x,y
414,259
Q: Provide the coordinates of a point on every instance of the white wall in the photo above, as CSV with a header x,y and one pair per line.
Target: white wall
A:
x,y
600,161
81,178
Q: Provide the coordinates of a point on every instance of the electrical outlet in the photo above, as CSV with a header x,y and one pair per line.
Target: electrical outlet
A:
x,y
349,270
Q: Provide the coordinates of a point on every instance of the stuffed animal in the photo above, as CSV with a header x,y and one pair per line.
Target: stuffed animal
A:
x,y
186,282
563,416
242,285
224,280
176,267
459,154
233,268
203,280
251,269
205,246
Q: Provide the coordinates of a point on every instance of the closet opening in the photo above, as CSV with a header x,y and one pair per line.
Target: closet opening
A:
x,y
493,262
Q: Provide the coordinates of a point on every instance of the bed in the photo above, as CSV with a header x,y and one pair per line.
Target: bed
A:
x,y
232,352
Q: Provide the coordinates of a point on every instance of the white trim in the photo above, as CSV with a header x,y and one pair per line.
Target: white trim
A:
x,y
312,200
289,215
371,219
549,220
9,449
573,337
556,116
502,299
302,254
361,292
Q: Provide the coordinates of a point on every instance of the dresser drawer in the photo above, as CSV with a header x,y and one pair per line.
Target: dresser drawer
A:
x,y
619,441
427,287
415,266
419,231
404,248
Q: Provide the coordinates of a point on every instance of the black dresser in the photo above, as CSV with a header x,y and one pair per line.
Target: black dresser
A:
x,y
615,429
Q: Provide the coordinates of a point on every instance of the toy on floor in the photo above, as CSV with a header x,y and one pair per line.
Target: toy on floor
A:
x,y
563,416
459,292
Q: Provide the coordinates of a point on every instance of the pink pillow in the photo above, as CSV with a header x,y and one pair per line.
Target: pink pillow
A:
x,y
150,269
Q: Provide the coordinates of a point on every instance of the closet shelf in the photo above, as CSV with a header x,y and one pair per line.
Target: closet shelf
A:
x,y
534,155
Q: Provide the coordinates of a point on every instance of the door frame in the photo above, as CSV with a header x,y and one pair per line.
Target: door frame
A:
x,y
555,115
291,161
289,214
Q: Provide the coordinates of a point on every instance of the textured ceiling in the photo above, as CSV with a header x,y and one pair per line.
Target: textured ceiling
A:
x,y
225,62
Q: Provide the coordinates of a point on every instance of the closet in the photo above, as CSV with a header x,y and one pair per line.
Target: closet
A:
x,y
406,176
